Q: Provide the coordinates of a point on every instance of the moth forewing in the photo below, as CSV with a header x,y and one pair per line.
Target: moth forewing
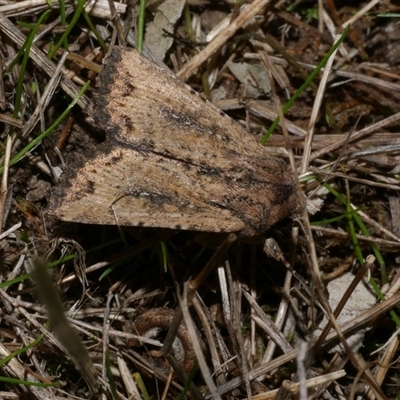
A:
x,y
172,159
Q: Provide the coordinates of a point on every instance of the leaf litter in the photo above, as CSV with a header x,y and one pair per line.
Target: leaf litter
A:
x,y
248,306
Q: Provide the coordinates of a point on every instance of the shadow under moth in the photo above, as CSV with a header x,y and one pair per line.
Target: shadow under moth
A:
x,y
171,159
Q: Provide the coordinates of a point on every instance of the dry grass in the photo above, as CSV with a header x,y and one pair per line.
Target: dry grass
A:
x,y
251,318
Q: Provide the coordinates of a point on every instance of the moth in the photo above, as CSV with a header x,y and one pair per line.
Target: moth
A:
x,y
171,159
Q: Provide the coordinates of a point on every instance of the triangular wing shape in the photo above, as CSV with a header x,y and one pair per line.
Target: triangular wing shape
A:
x,y
172,159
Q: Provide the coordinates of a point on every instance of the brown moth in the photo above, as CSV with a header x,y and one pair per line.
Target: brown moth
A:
x,y
173,160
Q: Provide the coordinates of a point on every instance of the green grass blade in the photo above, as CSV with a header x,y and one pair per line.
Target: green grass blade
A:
x,y
164,253
64,37
34,142
25,50
27,383
305,85
94,30
140,26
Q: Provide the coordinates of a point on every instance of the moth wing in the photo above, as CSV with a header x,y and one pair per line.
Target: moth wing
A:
x,y
110,190
140,103
171,159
